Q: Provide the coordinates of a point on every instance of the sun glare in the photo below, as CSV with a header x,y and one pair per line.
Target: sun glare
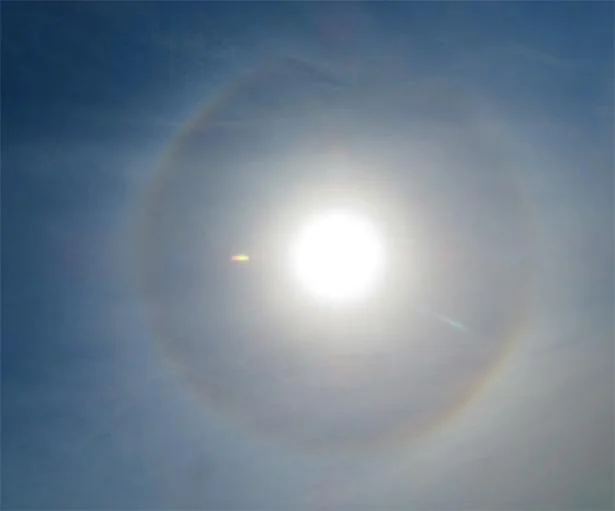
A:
x,y
337,257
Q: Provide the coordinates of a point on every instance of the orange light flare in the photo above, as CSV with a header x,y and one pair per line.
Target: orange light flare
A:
x,y
240,258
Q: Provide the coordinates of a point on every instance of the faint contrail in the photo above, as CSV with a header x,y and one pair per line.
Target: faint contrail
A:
x,y
443,319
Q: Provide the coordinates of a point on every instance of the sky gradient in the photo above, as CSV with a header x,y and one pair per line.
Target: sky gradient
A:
x,y
145,143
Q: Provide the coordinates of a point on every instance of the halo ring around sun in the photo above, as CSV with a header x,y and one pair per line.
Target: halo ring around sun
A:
x,y
167,328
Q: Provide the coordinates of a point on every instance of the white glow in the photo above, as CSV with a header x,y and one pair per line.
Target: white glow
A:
x,y
338,257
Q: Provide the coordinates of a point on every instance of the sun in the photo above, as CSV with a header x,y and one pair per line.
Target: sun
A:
x,y
338,257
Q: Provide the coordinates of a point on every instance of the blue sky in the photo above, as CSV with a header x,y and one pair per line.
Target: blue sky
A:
x,y
142,143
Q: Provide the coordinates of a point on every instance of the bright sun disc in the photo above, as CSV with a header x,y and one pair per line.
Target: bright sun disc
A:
x,y
338,257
